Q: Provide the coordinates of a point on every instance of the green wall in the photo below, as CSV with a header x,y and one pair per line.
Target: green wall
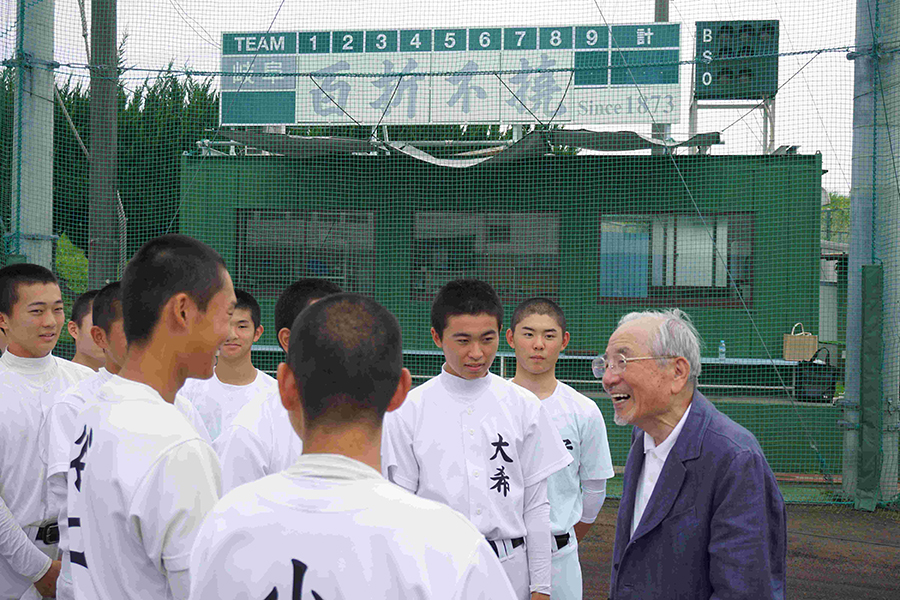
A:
x,y
781,192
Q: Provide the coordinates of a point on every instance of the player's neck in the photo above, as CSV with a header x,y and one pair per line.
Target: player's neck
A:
x,y
238,372
353,441
111,367
87,361
541,385
155,365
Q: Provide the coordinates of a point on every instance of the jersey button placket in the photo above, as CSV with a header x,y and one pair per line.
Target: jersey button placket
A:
x,y
474,461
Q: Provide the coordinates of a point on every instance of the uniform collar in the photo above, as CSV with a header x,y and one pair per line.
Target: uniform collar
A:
x,y
331,466
27,366
464,387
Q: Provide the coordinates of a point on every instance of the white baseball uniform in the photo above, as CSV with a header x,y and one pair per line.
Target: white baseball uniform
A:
x,y
140,482
259,442
218,403
29,387
583,432
334,527
59,436
484,447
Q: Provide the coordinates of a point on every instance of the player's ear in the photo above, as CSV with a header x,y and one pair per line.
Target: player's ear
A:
x,y
510,338
565,341
436,338
179,311
403,387
72,327
258,333
99,337
287,388
284,338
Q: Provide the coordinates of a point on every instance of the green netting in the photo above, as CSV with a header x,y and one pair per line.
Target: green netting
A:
x,y
223,112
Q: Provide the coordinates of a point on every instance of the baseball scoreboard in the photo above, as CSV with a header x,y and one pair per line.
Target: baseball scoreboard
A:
x,y
574,74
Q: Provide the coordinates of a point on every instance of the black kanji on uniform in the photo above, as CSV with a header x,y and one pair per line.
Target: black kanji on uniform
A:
x,y
502,479
568,444
499,445
78,463
297,587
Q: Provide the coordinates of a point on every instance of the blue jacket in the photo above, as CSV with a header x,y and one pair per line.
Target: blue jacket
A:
x,y
715,525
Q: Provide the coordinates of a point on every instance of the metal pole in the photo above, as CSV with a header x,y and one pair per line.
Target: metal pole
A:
x,y
887,244
32,181
661,131
862,199
104,234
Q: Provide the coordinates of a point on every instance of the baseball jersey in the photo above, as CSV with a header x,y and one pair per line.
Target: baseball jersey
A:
x,y
259,442
140,482
29,387
474,445
218,403
333,526
583,432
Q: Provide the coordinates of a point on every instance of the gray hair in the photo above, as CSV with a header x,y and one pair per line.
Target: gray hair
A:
x,y
676,336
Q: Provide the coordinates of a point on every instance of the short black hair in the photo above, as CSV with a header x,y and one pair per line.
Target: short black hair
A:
x,y
247,302
107,306
346,353
297,296
163,267
83,305
538,306
465,297
12,276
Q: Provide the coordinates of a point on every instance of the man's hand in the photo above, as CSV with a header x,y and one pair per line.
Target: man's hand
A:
x,y
46,585
539,596
581,530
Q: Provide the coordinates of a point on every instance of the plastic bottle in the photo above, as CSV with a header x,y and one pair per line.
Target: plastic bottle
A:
x,y
722,350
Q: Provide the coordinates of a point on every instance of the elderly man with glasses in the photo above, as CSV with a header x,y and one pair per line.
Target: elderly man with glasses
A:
x,y
701,515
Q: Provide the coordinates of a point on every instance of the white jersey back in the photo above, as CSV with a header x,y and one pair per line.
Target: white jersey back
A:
x,y
331,527
219,403
261,441
474,445
583,432
140,483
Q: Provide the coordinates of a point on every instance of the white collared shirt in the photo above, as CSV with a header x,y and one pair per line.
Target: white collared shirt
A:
x,y
654,459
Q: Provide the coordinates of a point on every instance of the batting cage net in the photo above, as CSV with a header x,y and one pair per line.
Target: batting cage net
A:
x,y
609,157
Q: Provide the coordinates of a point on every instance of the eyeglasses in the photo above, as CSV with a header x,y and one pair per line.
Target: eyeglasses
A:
x,y
616,363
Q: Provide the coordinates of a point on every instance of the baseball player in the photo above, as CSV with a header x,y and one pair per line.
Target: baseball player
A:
x,y
59,425
235,381
260,440
477,442
331,524
141,479
538,334
86,351
32,315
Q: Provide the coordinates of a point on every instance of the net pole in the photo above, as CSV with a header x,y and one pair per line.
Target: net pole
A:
x,y
862,194
103,218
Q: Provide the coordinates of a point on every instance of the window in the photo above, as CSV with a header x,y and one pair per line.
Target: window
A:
x,y
675,258
276,247
517,253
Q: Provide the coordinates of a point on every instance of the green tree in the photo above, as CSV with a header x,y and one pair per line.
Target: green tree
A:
x,y
835,222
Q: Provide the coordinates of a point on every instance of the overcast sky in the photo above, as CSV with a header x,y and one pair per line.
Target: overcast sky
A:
x,y
813,108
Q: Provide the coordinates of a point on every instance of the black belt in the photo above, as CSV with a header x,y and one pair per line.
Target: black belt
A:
x,y
561,540
516,542
49,534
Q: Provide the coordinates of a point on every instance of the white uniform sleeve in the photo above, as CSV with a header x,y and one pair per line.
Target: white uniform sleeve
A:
x,y
59,436
171,502
398,461
243,456
537,544
484,578
593,492
543,452
596,462
20,552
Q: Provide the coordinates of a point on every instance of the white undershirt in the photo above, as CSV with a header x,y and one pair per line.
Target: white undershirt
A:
x,y
654,459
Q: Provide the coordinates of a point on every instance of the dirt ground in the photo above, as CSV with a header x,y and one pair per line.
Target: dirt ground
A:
x,y
833,552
